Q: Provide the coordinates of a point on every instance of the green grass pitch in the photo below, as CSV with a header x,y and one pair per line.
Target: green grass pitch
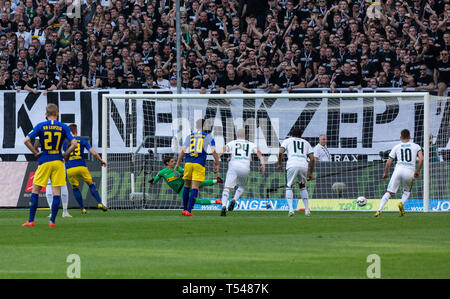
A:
x,y
253,245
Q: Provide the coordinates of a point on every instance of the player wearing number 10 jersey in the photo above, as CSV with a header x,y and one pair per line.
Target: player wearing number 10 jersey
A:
x,y
405,170
52,134
195,147
298,151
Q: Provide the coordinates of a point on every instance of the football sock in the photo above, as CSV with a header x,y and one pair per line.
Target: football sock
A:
x,y
78,197
203,201
94,193
405,196
304,196
238,193
33,206
384,200
289,198
225,195
208,183
55,207
64,198
186,192
192,197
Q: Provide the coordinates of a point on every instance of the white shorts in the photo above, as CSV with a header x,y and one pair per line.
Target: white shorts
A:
x,y
236,176
296,174
401,177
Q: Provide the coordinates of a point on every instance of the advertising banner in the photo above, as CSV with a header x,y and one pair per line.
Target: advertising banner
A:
x,y
355,127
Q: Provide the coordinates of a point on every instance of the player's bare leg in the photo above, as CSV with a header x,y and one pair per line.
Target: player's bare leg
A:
x,y
304,196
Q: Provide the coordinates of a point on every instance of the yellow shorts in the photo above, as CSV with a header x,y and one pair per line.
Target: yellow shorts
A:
x,y
194,172
76,173
53,170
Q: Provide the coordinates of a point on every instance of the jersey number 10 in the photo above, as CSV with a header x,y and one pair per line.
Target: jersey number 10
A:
x,y
406,154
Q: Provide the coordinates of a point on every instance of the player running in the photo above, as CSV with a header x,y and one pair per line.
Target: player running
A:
x,y
52,134
298,151
176,182
238,168
76,169
195,147
407,153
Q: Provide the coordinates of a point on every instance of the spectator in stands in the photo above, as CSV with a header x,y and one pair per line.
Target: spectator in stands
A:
x,y
321,152
303,35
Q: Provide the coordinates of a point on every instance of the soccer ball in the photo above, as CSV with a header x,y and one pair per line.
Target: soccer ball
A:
x,y
361,201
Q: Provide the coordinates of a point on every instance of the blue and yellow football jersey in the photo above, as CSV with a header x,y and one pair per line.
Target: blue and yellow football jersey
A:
x,y
196,144
76,156
51,135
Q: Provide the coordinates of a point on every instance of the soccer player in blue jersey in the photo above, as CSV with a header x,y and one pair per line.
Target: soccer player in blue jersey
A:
x,y
195,147
52,134
76,169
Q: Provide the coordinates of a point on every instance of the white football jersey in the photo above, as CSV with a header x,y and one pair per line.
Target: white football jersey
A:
x,y
406,154
297,150
241,151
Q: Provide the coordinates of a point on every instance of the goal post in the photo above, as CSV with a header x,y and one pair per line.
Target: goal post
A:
x,y
150,112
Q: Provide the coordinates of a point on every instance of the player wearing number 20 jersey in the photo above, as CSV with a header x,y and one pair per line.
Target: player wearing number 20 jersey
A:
x,y
407,154
195,147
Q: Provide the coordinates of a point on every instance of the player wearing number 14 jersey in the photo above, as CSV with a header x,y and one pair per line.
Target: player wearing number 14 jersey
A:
x,y
52,134
238,168
407,153
298,151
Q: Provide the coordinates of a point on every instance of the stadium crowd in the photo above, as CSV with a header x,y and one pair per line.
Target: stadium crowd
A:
x,y
226,44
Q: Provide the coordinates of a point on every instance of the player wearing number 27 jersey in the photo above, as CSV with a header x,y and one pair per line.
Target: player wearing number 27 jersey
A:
x,y
298,151
52,134
407,154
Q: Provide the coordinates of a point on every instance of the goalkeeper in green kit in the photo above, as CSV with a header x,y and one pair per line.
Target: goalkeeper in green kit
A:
x,y
176,182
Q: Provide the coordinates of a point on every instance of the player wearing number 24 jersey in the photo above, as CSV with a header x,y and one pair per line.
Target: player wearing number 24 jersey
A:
x,y
407,154
238,168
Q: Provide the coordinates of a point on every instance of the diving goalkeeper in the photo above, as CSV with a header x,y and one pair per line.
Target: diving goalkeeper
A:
x,y
176,183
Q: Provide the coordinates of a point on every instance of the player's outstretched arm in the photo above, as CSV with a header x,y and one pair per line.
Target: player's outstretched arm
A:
x,y
280,159
180,158
419,167
261,160
312,161
224,149
216,159
97,156
386,168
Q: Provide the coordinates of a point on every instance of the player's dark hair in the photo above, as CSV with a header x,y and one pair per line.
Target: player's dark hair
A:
x,y
167,159
296,132
404,134
73,128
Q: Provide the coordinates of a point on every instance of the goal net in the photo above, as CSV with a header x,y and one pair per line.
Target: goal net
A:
x,y
143,131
